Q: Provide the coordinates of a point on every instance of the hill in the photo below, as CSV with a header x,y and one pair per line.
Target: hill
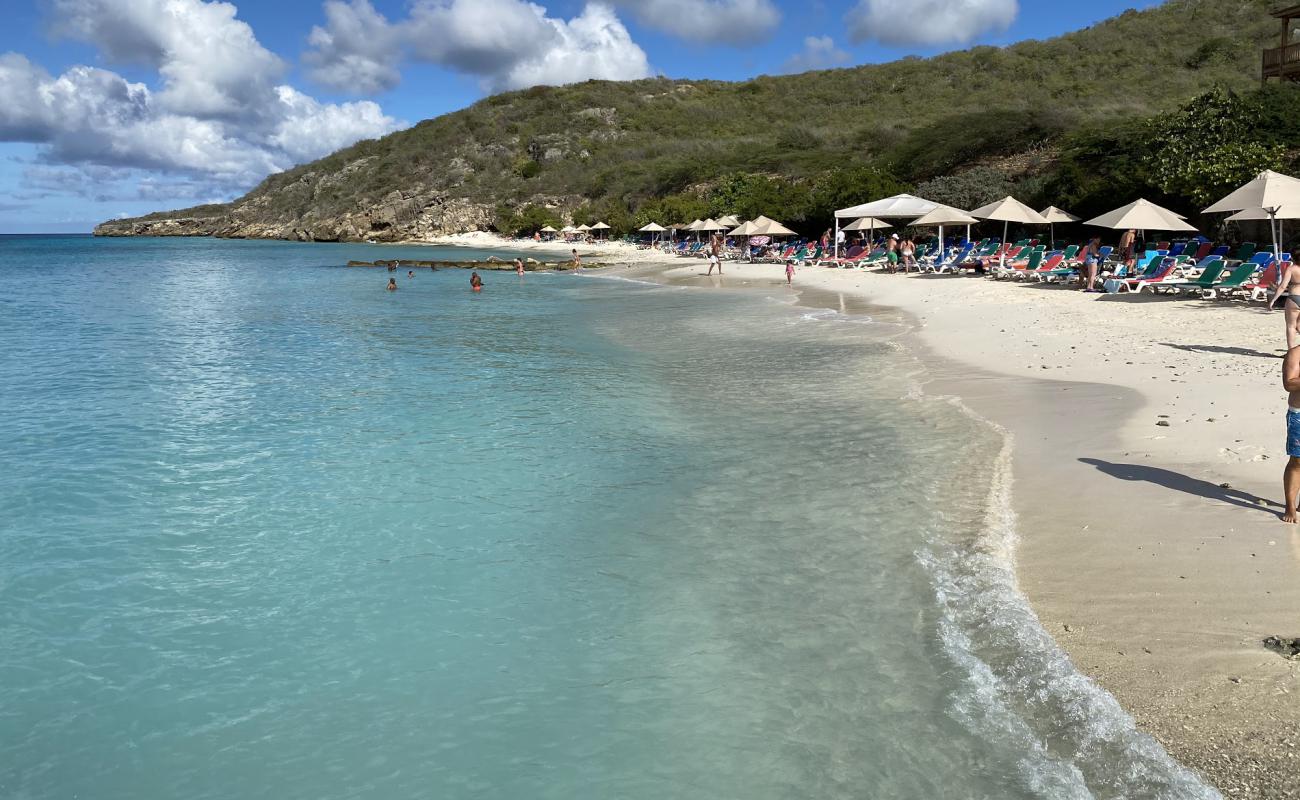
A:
x,y
1025,117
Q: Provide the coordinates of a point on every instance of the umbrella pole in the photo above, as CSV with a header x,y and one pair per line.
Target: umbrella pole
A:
x,y
837,235
1275,228
940,260
1002,260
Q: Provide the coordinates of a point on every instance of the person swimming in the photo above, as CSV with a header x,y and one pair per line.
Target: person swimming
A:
x,y
475,282
392,285
410,273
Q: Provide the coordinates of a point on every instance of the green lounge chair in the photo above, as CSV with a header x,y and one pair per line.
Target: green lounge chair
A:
x,y
1205,281
1237,281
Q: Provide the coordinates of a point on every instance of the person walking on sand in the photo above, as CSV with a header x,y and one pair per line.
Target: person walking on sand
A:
x,y
1291,473
392,285
1288,287
789,272
713,262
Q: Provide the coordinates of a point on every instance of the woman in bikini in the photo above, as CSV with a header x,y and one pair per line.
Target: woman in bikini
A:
x,y
1288,285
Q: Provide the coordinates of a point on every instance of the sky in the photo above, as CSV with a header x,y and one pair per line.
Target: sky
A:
x,y
114,108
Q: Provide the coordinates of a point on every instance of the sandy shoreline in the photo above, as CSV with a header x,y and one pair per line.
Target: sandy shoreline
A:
x,y
1128,414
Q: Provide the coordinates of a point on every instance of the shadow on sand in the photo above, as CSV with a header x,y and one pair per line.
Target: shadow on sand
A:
x,y
1214,348
1179,482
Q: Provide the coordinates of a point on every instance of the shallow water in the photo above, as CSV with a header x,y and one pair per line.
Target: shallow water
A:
x,y
267,530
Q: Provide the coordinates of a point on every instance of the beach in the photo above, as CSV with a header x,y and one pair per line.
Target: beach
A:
x,y
1147,438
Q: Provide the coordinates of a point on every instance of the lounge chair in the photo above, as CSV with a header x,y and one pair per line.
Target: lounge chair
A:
x,y
1020,266
1048,264
954,258
1240,280
1163,271
1207,279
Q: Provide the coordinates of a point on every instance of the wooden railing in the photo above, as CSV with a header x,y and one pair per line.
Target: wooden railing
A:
x,y
1281,60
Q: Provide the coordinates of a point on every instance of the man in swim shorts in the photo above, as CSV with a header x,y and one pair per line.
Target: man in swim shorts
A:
x,y
1291,475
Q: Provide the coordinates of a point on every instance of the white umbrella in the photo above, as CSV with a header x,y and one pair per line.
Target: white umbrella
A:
x,y
584,228
1142,215
599,226
769,227
653,229
1269,191
729,221
1009,210
1054,215
899,206
711,225
941,216
1277,216
866,223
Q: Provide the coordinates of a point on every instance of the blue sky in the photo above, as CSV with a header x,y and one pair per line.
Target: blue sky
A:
x,y
121,107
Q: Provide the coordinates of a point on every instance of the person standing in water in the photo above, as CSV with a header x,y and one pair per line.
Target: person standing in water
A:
x,y
410,273
392,285
475,282
1291,474
519,267
577,259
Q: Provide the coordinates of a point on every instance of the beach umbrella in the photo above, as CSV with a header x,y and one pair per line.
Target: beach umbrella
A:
x,y
900,206
866,223
770,227
1142,215
1268,192
729,221
1009,210
1054,215
941,216
712,225
653,229
584,228
869,224
1275,216
745,229
600,226
549,229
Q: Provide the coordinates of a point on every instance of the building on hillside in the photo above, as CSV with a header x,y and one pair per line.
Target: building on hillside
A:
x,y
1284,62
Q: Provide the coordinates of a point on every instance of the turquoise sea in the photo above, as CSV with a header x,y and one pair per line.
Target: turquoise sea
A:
x,y
269,531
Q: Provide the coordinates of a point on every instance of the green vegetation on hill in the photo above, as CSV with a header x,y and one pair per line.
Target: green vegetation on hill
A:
x,y
1094,116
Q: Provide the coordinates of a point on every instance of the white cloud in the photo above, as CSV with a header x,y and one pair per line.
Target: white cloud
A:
x,y
928,22
592,45
357,52
506,44
819,52
211,63
724,21
220,119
